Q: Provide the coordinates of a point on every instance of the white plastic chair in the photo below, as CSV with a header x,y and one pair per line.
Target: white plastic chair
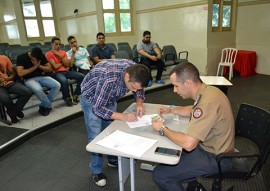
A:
x,y
228,57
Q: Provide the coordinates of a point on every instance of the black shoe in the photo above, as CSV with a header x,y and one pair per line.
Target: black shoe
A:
x,y
20,114
198,187
99,179
68,102
13,118
44,111
113,164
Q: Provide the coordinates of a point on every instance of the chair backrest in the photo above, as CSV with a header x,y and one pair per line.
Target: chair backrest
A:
x,y
15,53
122,43
4,44
48,43
34,44
253,123
121,54
127,49
169,52
113,46
228,55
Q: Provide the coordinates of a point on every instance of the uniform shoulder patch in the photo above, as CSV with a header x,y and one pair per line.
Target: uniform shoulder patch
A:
x,y
197,113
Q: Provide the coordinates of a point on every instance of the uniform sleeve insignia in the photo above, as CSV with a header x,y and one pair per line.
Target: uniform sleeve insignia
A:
x,y
197,113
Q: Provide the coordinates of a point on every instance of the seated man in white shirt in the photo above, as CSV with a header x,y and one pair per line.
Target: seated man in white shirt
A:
x,y
79,56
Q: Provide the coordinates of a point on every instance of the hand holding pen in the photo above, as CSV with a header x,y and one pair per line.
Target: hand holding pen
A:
x,y
163,110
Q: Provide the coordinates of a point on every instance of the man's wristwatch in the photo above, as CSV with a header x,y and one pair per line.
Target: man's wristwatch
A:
x,y
161,130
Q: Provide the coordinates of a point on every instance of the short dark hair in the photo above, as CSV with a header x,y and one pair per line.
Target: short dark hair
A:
x,y
36,52
146,33
100,34
186,71
139,73
69,38
54,39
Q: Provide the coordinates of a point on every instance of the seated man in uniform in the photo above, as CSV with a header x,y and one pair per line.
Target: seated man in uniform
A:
x,y
60,64
209,133
8,86
79,56
101,50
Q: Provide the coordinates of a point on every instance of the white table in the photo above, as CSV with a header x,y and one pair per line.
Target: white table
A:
x,y
126,161
218,81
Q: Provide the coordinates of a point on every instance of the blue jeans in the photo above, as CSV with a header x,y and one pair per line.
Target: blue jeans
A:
x,y
192,164
95,125
36,84
62,78
19,89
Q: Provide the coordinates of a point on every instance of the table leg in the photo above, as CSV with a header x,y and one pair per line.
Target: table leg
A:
x,y
123,171
132,175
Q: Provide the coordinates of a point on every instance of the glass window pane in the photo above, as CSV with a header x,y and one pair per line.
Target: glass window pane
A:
x,y
28,8
46,8
109,20
125,22
215,15
124,4
31,28
49,28
12,32
108,4
226,16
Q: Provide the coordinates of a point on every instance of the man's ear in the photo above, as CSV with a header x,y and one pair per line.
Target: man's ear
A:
x,y
187,83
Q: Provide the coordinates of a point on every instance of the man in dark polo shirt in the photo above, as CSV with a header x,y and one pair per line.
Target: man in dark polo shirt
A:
x,y
102,51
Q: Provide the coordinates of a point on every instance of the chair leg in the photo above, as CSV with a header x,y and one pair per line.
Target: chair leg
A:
x,y
218,70
230,73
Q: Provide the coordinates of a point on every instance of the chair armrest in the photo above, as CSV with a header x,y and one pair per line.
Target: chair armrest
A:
x,y
222,156
183,52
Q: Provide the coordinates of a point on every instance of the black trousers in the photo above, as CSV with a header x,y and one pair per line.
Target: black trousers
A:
x,y
19,89
159,64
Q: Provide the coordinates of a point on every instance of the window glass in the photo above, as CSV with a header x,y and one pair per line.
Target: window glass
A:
x,y
49,28
109,19
215,15
124,4
28,8
226,16
125,22
12,31
108,4
31,27
46,8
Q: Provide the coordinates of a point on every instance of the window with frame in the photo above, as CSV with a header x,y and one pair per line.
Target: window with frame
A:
x,y
38,19
222,15
117,16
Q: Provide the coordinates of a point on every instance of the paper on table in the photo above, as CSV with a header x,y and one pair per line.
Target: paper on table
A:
x,y
145,120
127,143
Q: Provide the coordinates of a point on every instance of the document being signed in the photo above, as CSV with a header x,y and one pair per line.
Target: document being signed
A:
x,y
145,120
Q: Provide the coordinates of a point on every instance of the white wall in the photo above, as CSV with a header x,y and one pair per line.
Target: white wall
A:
x,y
253,32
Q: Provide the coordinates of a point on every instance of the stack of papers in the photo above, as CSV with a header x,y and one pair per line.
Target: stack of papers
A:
x,y
127,143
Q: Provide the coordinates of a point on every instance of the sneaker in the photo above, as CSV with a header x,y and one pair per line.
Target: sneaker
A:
x,y
150,83
20,114
99,179
75,99
44,111
68,102
160,82
113,164
13,118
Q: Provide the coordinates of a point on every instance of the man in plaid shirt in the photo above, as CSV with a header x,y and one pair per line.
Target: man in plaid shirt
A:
x,y
101,88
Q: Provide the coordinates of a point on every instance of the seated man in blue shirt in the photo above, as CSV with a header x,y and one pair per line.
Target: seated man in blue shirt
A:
x,y
150,55
101,88
102,51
